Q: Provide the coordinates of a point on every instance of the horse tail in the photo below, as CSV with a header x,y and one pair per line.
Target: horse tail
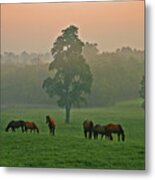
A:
x,y
122,132
35,126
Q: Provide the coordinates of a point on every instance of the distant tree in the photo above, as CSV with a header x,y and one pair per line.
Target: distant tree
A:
x,y
72,77
90,51
142,90
10,57
126,49
25,57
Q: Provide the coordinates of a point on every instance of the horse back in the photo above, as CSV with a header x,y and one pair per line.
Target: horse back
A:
x,y
99,129
29,124
114,128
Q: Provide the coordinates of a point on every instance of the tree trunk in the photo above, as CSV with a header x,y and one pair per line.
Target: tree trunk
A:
x,y
67,115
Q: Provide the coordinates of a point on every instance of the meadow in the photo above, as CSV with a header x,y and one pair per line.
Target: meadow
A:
x,y
69,148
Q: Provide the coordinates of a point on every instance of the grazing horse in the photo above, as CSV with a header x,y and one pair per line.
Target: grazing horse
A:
x,y
98,129
88,128
51,124
116,129
32,126
15,125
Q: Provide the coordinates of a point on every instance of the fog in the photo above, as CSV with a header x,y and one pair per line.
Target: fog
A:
x,y
116,77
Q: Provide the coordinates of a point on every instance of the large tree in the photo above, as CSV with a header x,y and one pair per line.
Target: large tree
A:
x,y
71,76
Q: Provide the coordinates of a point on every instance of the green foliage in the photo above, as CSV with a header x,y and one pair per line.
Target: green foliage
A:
x,y
72,78
116,77
21,85
69,149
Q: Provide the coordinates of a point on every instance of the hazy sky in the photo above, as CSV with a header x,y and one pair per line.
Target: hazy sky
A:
x,y
34,27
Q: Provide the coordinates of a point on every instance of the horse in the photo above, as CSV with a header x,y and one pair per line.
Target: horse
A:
x,y
98,129
88,128
51,124
15,125
32,126
116,129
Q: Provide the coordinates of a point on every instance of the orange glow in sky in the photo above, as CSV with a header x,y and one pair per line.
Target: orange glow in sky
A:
x,y
34,27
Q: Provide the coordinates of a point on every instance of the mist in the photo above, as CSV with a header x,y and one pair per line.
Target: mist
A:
x,y
116,77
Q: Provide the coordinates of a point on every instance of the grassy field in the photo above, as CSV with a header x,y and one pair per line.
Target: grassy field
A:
x,y
69,149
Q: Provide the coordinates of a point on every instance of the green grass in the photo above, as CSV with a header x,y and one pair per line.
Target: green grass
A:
x,y
69,149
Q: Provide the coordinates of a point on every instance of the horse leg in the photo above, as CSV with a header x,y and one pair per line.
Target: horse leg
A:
x,y
50,130
118,136
97,136
94,133
53,131
106,137
90,134
110,136
85,134
102,136
22,129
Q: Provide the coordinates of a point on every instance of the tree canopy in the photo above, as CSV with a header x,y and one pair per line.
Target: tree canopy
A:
x,y
71,77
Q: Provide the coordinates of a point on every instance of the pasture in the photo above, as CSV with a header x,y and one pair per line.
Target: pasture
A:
x,y
69,149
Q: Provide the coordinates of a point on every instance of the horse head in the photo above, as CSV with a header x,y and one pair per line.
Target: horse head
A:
x,y
47,119
9,125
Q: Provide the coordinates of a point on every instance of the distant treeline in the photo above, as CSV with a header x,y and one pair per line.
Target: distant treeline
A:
x,y
116,76
25,58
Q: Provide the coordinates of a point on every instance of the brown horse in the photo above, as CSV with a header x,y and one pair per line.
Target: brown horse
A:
x,y
51,124
32,126
88,128
116,129
99,129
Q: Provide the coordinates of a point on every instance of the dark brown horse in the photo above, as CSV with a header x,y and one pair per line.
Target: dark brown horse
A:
x,y
15,125
31,126
51,124
99,129
88,128
116,129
